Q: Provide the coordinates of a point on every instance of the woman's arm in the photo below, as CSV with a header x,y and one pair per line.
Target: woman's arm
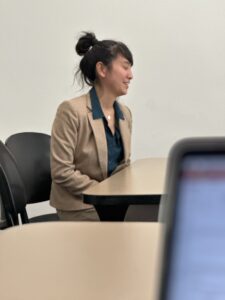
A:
x,y
63,145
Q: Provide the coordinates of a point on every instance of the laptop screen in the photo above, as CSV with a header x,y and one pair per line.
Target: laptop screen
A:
x,y
196,268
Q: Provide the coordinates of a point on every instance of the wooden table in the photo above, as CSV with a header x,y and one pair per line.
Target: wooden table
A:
x,y
79,260
140,183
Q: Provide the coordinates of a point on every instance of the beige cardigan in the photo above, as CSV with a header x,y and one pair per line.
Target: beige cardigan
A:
x,y
79,156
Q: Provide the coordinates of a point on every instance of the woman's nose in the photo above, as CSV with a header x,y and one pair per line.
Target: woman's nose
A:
x,y
130,75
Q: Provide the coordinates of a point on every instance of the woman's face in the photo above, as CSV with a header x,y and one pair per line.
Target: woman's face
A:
x,y
118,76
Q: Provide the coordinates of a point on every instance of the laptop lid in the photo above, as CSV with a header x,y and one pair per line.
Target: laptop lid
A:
x,y
193,266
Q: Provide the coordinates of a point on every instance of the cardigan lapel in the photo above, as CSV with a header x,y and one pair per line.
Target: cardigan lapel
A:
x,y
100,139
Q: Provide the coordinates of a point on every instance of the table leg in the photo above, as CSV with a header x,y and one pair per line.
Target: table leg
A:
x,y
111,212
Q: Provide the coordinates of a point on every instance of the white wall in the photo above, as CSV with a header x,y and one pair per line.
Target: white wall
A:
x,y
179,72
179,54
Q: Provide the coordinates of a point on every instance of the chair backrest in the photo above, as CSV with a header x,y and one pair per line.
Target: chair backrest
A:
x,y
32,154
12,190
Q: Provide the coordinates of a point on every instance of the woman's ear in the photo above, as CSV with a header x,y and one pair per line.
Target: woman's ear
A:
x,y
101,69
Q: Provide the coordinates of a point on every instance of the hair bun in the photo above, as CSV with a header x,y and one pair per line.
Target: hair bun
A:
x,y
85,42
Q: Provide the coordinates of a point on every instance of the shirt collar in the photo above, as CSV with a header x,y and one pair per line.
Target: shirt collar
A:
x,y
97,110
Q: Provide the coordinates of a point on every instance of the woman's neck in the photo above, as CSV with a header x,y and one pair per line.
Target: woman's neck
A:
x,y
105,97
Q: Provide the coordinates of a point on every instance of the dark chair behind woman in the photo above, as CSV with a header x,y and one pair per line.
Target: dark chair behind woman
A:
x,y
31,151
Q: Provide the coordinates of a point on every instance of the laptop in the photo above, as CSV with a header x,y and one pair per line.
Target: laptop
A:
x,y
193,264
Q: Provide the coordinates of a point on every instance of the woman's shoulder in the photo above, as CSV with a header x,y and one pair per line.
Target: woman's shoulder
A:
x,y
75,105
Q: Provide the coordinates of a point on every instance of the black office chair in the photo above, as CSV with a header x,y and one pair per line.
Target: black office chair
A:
x,y
12,191
3,222
7,201
31,151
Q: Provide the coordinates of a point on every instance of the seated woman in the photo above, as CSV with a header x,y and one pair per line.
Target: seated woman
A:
x,y
91,134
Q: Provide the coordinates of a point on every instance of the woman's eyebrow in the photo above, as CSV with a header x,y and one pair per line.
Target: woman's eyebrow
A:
x,y
125,61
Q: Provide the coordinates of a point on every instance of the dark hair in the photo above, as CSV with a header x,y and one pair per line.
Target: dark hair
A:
x,y
94,51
